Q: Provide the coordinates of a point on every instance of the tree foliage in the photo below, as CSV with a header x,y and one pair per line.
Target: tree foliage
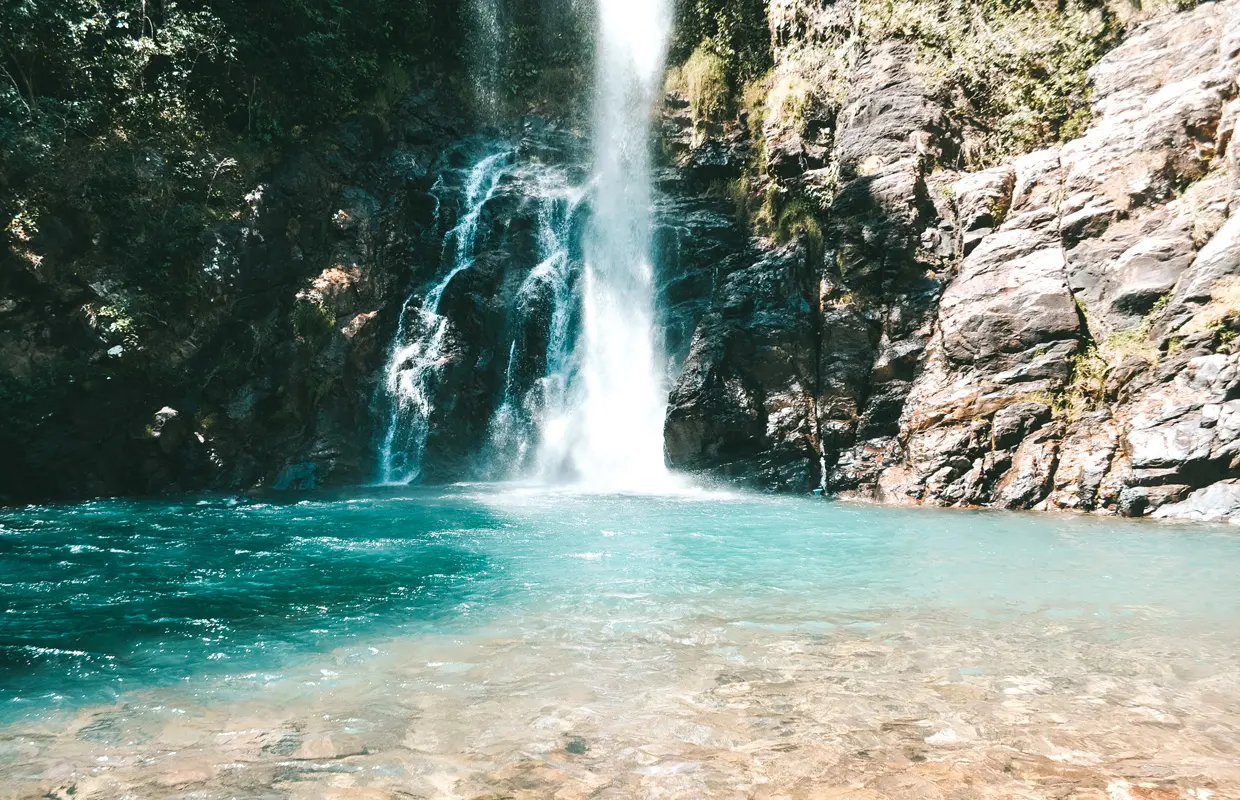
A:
x,y
129,127
734,30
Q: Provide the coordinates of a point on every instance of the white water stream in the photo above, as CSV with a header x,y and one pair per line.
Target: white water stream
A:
x,y
418,348
618,443
595,417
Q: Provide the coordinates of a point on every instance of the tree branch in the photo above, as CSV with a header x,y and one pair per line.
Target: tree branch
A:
x,y
13,81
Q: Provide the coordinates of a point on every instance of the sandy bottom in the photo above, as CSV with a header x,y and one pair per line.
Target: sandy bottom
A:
x,y
883,708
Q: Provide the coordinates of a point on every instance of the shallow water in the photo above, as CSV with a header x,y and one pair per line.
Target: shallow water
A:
x,y
503,641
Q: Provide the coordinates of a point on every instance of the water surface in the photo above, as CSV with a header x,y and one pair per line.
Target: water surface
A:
x,y
481,639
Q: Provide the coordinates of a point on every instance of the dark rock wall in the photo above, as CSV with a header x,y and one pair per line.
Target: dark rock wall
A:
x,y
273,367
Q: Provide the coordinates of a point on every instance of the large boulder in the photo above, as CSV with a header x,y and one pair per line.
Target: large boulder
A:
x,y
1219,502
743,407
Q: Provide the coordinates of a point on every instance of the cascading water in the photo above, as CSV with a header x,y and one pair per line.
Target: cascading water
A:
x,y
619,427
420,338
581,396
537,416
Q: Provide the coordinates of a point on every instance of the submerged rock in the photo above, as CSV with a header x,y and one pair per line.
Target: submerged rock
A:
x,y
297,477
329,747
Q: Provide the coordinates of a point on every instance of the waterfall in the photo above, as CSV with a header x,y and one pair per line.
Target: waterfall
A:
x,y
619,439
582,398
487,45
421,334
538,417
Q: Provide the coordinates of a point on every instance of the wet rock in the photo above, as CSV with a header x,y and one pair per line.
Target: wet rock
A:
x,y
1219,502
1033,466
889,117
981,201
874,226
298,477
168,427
742,406
1138,501
1186,430
1213,265
1011,424
1154,131
858,468
846,356
329,746
1010,296
715,160
1085,459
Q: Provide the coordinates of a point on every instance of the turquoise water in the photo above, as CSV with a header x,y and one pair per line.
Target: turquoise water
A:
x,y
107,598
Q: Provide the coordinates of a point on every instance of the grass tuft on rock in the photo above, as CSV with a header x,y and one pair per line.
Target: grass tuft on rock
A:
x,y
704,82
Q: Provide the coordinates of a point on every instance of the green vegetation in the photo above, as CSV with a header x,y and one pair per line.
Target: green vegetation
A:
x,y
129,129
313,322
1086,387
775,212
703,81
810,78
1013,72
789,101
799,217
1093,363
89,66
753,103
735,31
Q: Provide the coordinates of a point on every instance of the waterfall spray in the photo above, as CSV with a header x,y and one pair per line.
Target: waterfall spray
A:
x,y
595,417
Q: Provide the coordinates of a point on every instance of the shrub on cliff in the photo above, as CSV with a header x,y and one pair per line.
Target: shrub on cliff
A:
x,y
735,31
702,80
1013,72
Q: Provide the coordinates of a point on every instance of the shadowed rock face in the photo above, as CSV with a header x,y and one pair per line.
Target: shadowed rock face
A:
x,y
1043,334
743,404
276,368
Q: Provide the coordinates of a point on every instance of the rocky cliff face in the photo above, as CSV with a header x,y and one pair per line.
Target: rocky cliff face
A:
x,y
267,374
1054,332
